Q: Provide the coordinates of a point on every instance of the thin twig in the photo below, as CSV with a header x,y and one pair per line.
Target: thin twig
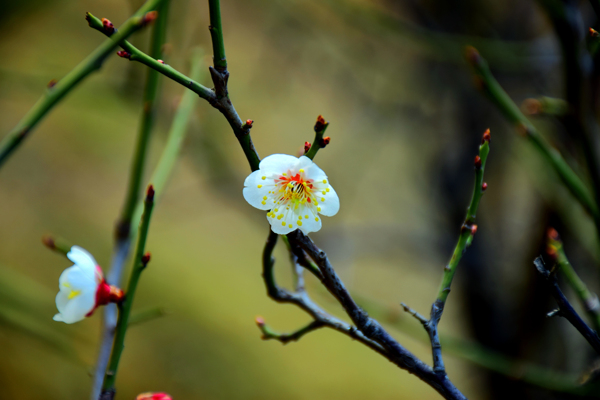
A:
x,y
140,261
55,93
564,307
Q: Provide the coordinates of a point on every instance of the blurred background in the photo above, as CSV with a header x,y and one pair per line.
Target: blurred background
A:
x,y
405,122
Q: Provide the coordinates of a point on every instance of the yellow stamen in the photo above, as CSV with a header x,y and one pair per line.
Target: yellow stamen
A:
x,y
327,190
264,177
325,181
259,186
317,219
306,216
299,223
74,293
264,203
276,210
319,209
301,171
322,199
284,174
280,216
283,223
264,197
324,192
290,225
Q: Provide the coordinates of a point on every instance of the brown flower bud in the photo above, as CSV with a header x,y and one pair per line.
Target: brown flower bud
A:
x,y
477,162
146,258
325,141
109,28
486,136
320,124
150,193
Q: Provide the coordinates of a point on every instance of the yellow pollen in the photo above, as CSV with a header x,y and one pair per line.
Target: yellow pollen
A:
x,y
322,198
319,209
327,190
325,181
299,223
282,223
280,216
324,192
74,293
259,186
306,216
290,185
66,284
284,174
317,219
275,210
301,171
263,202
316,204
264,177
290,225
264,197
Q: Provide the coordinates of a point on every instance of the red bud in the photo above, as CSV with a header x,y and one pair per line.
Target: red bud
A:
x,y
149,17
307,147
150,193
146,258
259,321
108,26
49,242
321,124
249,122
52,83
484,187
473,229
486,136
123,54
594,33
553,234
477,162
325,141
154,396
160,61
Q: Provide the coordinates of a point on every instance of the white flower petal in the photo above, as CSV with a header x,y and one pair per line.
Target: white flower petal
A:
x,y
76,308
256,197
331,205
312,223
82,258
79,279
278,162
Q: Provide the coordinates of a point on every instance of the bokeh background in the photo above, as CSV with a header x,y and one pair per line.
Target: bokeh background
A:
x,y
405,122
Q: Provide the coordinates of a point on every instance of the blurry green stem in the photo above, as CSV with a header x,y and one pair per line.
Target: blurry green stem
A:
x,y
216,34
148,116
513,114
588,299
467,232
140,261
177,134
56,93
59,245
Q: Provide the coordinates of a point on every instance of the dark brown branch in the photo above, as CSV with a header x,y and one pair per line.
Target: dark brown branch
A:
x,y
564,307
370,328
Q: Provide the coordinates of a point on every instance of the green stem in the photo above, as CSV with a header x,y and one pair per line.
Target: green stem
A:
x,y
588,300
177,134
285,338
54,94
468,229
139,264
216,34
513,114
318,143
59,245
147,122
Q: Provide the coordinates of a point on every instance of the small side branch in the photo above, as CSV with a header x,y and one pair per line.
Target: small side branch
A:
x,y
565,309
320,141
285,338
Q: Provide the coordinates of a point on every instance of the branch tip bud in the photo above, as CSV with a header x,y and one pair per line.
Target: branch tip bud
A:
x,y
486,136
109,28
154,396
553,234
161,61
150,193
325,141
259,321
477,162
49,242
248,124
594,33
473,229
321,124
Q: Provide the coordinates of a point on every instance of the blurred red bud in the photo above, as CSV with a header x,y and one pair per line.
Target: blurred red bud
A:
x,y
146,258
154,396
307,147
108,26
123,54
325,141
49,242
484,187
594,33
52,83
477,162
160,61
149,17
473,229
259,321
486,136
552,234
320,124
150,193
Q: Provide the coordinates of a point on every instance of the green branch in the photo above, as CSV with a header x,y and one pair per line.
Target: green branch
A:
x,y
588,300
140,261
513,114
57,92
216,34
147,122
320,141
285,338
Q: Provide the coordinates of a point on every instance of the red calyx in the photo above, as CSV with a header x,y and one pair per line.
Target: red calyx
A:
x,y
154,396
307,147
108,26
477,162
107,294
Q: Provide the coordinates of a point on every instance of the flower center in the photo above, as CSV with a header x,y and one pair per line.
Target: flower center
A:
x,y
294,189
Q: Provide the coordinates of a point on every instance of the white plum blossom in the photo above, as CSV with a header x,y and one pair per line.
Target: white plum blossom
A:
x,y
82,288
294,191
